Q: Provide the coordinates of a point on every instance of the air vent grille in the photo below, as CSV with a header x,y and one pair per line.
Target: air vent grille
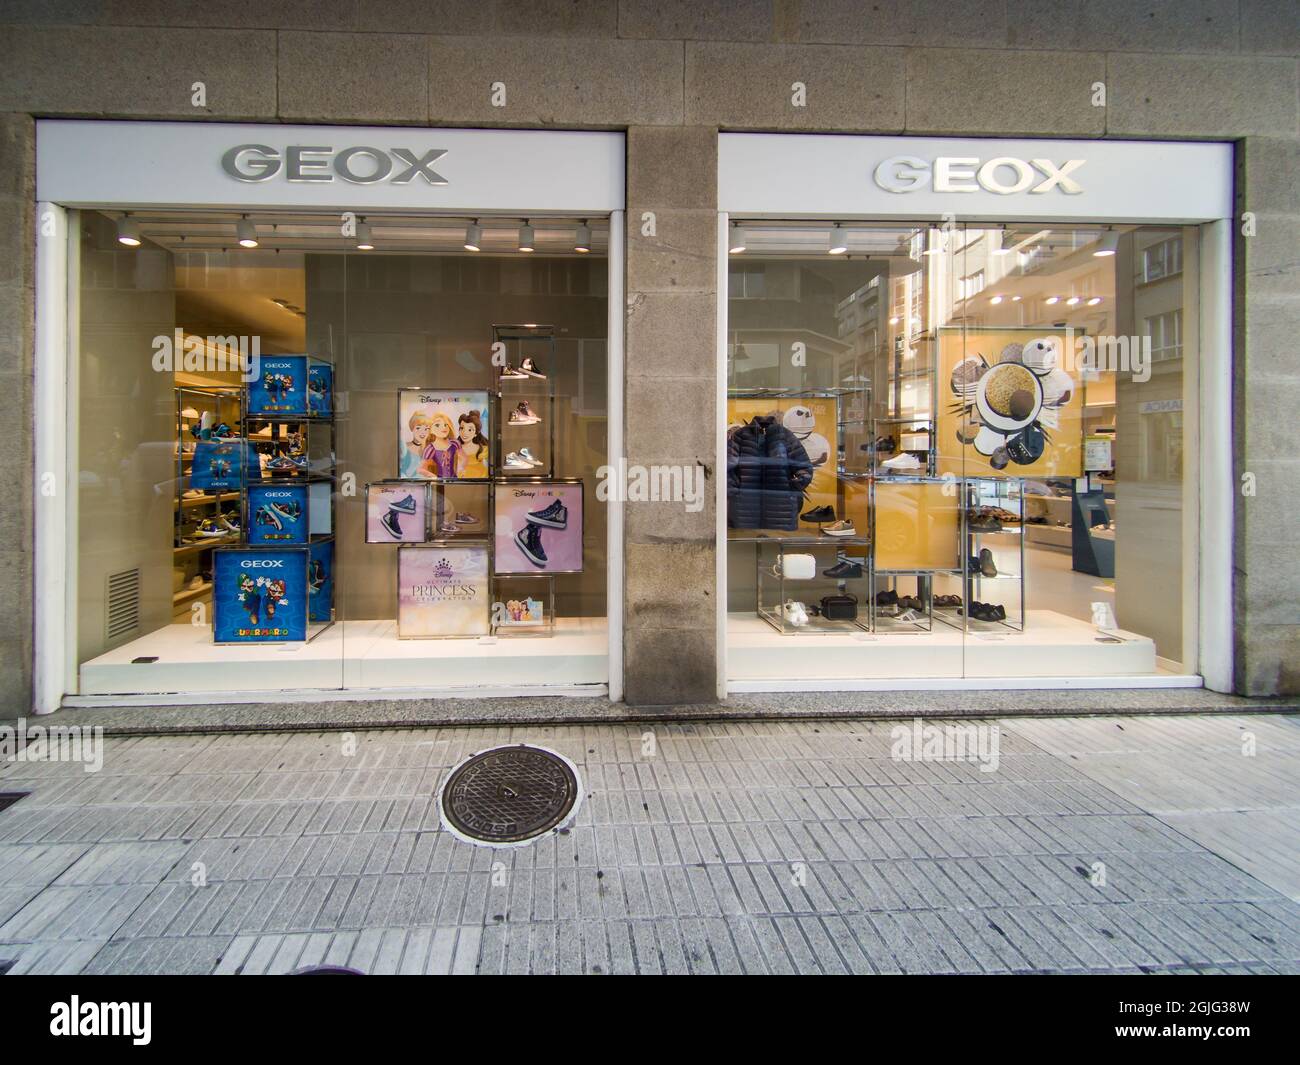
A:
x,y
123,604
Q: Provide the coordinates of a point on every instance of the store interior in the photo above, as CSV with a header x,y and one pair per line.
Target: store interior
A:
x,y
184,321
893,513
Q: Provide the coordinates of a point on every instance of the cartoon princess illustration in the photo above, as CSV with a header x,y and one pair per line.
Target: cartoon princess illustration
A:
x,y
439,458
413,450
471,461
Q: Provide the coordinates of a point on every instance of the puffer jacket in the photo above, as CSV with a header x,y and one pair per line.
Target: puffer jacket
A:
x,y
767,473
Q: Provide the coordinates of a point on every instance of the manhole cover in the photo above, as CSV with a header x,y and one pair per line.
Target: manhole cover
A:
x,y
509,795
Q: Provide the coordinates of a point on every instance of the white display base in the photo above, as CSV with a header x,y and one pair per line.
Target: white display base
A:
x,y
353,655
1053,646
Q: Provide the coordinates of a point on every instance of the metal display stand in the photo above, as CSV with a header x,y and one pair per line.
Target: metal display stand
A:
x,y
771,550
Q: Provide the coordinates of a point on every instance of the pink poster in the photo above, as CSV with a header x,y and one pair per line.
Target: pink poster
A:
x,y
396,512
539,527
443,591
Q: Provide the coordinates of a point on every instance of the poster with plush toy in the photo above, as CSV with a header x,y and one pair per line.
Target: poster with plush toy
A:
x,y
812,420
1009,404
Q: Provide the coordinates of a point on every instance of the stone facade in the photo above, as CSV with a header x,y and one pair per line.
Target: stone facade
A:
x,y
673,72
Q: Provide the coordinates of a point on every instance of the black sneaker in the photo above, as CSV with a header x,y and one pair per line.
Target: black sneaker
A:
x,y
819,514
556,516
392,523
844,569
529,541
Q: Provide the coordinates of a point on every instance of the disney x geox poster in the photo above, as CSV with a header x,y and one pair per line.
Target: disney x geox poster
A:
x,y
259,595
277,514
1010,404
442,436
538,527
442,591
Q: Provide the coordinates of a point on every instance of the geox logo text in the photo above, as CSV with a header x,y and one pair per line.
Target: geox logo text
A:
x,y
955,173
359,165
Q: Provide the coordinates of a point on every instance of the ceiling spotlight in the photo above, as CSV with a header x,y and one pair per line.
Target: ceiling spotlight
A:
x,y
1053,299
474,236
246,233
1072,301
995,300
1015,299
1108,243
839,240
364,242
1094,301
736,242
582,242
128,232
527,238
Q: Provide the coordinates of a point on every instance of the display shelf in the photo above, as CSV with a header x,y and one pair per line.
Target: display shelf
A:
x,y
772,550
525,394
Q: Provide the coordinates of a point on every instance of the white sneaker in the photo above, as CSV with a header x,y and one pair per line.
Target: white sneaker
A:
x,y
527,456
840,528
795,613
515,461
905,461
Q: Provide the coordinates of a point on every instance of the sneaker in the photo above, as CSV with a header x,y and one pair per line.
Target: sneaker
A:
x,y
529,541
509,371
556,516
529,368
449,527
231,521
840,528
390,521
527,456
210,527
795,613
285,463
844,569
818,515
265,516
466,519
289,512
194,493
905,461
515,461
406,505
887,597
908,615
523,415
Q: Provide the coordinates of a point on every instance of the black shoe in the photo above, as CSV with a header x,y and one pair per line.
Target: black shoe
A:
x,y
818,515
556,516
986,563
844,569
529,541
888,597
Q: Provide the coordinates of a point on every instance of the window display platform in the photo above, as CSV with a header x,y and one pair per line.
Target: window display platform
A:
x,y
351,654
1053,645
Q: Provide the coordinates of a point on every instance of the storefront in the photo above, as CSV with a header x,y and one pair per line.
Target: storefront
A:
x,y
974,412
323,410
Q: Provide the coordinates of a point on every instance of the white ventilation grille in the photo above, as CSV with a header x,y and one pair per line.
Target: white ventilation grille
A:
x,y
123,604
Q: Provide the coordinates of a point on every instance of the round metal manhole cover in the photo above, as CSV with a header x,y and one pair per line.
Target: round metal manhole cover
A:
x,y
509,795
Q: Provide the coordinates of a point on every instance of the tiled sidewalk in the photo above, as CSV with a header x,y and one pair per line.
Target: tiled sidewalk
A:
x,y
747,847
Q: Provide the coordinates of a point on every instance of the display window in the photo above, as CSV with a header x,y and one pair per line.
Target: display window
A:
x,y
958,451
309,456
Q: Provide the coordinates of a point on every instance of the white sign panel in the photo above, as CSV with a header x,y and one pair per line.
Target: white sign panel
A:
x,y
202,164
782,175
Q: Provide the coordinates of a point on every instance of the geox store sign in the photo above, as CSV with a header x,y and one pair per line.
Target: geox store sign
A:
x,y
358,165
1004,175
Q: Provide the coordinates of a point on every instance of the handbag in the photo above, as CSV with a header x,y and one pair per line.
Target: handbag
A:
x,y
841,607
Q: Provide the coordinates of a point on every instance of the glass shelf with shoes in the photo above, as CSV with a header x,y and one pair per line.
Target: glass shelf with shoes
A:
x,y
902,603
993,534
524,433
813,585
460,509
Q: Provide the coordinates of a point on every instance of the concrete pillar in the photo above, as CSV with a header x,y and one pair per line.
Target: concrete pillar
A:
x,y
669,642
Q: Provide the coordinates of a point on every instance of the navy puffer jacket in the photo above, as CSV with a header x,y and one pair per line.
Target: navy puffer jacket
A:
x,y
767,473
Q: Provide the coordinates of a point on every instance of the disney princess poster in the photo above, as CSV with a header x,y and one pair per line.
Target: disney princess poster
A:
x,y
443,435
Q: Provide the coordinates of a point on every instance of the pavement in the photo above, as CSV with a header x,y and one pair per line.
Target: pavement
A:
x,y
1127,843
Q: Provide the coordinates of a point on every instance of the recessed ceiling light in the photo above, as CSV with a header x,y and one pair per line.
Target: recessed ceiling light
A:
x,y
527,238
1094,301
1015,299
736,241
246,233
995,300
1107,245
839,240
128,232
1053,299
473,236
364,243
1072,301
